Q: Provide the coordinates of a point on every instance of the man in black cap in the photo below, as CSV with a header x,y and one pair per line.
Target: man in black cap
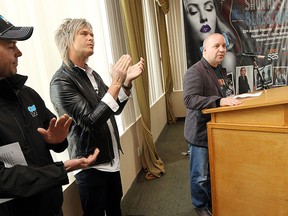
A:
x,y
31,186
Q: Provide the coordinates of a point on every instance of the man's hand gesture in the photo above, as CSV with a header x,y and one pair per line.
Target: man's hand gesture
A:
x,y
74,164
57,130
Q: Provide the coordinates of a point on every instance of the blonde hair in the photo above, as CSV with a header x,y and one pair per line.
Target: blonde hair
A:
x,y
65,35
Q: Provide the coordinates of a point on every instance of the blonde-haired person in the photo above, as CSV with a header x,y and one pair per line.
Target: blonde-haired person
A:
x,y
79,91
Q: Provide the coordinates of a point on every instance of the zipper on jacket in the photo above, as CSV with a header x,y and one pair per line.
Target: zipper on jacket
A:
x,y
22,132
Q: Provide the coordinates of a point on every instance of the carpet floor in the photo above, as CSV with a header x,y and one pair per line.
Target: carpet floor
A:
x,y
168,195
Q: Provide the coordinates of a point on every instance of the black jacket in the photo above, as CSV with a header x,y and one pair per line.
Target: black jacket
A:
x,y
36,188
201,90
72,92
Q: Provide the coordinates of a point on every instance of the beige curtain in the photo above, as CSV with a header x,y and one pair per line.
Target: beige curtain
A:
x,y
164,5
132,12
162,9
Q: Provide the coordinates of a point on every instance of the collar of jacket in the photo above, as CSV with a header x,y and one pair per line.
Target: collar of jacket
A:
x,y
213,75
72,68
10,86
206,63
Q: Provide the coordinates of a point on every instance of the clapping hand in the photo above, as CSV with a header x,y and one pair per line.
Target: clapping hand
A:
x,y
134,71
119,70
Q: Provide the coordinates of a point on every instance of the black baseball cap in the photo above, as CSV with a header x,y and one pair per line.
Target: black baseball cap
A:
x,y
10,32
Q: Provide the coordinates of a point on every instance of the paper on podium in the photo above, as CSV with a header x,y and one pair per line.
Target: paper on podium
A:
x,y
246,95
11,155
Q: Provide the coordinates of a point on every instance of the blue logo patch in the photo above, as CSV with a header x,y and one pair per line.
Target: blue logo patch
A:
x,y
33,111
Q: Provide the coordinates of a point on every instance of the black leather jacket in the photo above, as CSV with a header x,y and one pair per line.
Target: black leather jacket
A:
x,y
72,93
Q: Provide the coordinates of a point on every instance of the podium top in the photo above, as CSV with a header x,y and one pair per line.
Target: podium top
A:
x,y
269,97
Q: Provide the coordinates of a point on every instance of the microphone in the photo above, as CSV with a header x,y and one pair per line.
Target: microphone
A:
x,y
252,55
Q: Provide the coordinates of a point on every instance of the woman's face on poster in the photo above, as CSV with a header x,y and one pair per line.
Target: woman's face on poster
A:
x,y
201,17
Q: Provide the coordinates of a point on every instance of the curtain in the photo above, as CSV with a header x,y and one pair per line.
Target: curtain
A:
x,y
175,29
132,11
116,33
164,5
152,44
168,82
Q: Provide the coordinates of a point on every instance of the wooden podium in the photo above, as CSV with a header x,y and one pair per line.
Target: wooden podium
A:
x,y
248,151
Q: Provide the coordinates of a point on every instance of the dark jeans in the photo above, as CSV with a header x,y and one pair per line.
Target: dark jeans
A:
x,y
100,192
200,177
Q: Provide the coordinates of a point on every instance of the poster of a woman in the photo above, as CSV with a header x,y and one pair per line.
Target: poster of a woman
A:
x,y
202,18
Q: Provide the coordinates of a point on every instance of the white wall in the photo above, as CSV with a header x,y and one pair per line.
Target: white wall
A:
x,y
178,104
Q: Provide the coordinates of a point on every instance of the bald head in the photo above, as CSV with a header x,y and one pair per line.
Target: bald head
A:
x,y
212,37
214,49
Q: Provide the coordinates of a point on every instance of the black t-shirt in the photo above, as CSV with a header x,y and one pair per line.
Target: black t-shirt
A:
x,y
221,79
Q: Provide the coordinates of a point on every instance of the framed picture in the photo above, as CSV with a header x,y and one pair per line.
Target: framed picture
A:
x,y
244,79
280,76
266,73
230,85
